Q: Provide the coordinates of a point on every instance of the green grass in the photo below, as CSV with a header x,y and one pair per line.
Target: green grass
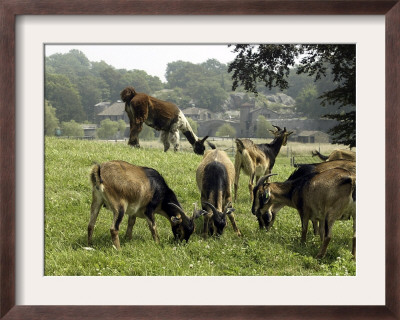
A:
x,y
67,211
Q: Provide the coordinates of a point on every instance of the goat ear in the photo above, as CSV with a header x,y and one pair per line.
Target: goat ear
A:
x,y
198,214
204,139
176,220
212,145
289,133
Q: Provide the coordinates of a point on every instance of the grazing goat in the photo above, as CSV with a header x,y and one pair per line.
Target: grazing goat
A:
x,y
336,155
322,197
305,169
139,192
161,115
257,159
215,175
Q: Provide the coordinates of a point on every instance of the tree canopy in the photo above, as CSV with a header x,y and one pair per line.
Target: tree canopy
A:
x,y
271,65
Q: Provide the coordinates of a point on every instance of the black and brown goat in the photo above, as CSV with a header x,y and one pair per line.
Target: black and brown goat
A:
x,y
336,155
257,160
215,175
321,197
305,169
139,192
161,115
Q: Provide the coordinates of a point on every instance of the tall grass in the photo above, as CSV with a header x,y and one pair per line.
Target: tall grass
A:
x,y
67,212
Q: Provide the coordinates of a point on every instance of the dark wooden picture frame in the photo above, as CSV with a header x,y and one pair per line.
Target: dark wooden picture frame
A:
x,y
10,9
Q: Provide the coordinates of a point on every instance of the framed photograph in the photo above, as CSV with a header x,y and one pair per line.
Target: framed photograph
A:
x,y
30,289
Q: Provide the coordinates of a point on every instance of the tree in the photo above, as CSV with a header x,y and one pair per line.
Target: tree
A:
x,y
108,129
308,104
147,133
180,73
226,130
193,124
271,64
209,95
121,126
64,97
175,96
71,129
263,125
51,122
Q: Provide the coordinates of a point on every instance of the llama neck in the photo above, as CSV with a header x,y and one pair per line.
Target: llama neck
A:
x,y
186,129
190,136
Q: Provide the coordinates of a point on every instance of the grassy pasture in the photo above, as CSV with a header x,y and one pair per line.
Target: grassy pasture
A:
x,y
67,212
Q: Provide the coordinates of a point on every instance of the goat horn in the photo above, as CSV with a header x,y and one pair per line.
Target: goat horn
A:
x,y
211,206
265,178
277,128
177,207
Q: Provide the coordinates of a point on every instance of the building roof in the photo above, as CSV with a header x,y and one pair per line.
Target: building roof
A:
x,y
116,109
309,133
103,104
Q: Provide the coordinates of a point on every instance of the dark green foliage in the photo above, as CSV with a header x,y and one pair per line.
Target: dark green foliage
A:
x,y
51,122
263,127
64,97
270,64
176,96
206,84
80,84
226,130
71,129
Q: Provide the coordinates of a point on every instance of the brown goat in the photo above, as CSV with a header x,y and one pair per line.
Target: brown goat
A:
x,y
257,160
336,155
215,175
139,192
323,197
161,115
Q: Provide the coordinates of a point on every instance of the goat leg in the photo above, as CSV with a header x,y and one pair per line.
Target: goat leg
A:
x,y
153,229
235,228
115,238
131,223
94,212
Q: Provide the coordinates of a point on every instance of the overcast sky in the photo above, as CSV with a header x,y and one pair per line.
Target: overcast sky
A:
x,y
151,58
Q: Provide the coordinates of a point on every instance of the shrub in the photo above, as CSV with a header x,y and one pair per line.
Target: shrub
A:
x,y
71,129
263,125
147,133
51,122
226,130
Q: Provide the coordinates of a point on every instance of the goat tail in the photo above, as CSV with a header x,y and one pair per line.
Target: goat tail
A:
x,y
321,156
239,145
95,176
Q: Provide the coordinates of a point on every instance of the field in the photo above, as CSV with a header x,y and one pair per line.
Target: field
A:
x,y
274,253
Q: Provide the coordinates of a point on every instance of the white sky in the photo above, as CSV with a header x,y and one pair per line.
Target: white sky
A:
x,y
151,58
